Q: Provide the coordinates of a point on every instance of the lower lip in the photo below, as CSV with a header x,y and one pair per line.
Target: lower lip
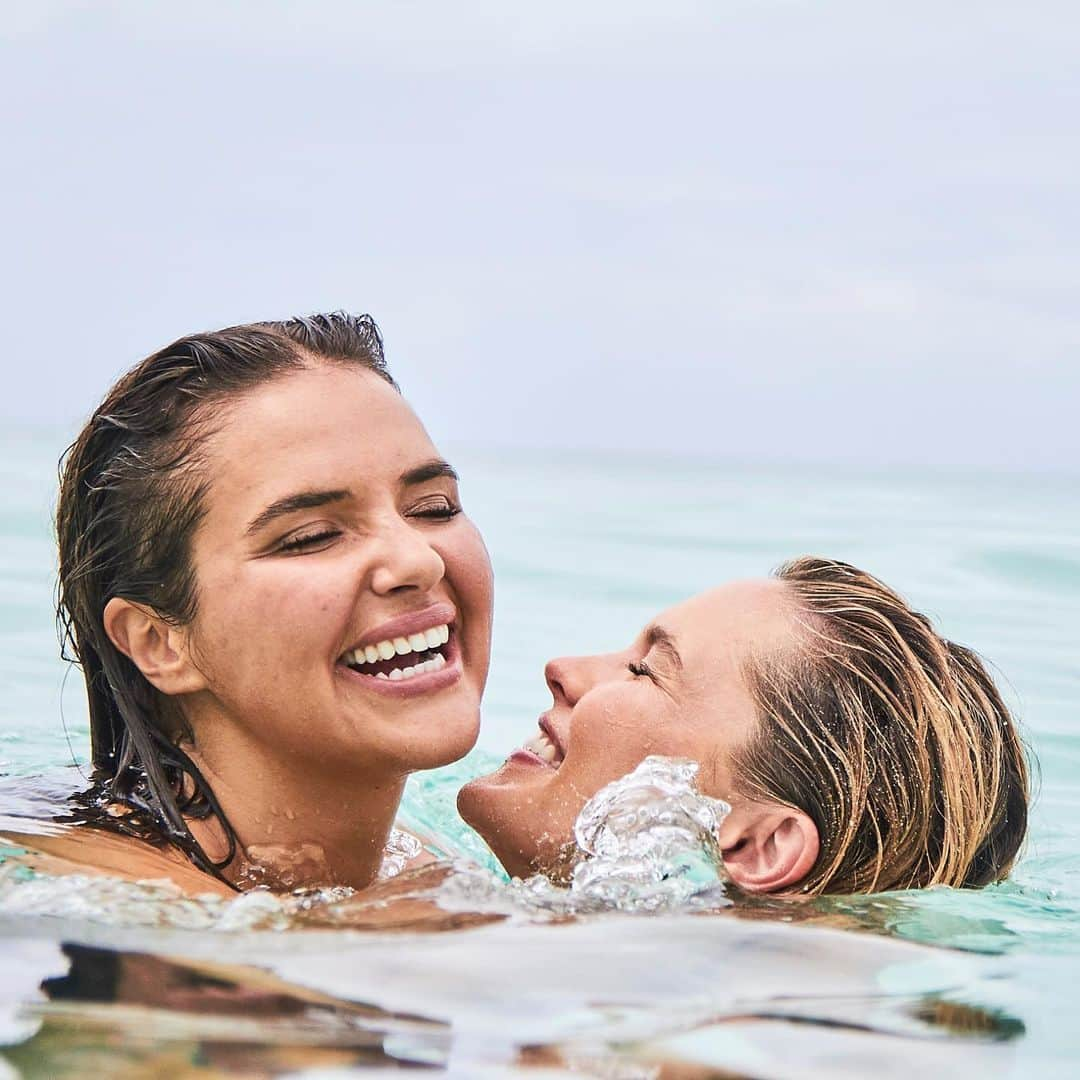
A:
x,y
428,682
522,756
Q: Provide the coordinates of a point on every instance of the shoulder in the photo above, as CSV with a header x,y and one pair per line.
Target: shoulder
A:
x,y
85,850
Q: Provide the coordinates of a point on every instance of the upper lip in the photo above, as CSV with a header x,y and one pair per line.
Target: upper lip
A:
x,y
548,728
409,623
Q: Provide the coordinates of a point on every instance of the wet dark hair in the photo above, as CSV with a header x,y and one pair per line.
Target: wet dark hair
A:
x,y
132,493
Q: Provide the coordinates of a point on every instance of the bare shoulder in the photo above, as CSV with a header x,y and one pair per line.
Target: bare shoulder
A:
x,y
91,851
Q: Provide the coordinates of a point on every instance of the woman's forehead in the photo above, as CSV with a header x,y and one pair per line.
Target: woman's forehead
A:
x,y
328,402
328,413
312,428
750,614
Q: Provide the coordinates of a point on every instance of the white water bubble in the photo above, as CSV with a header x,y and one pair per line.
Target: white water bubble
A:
x,y
646,842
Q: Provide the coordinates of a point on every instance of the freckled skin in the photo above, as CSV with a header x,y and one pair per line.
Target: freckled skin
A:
x,y
609,719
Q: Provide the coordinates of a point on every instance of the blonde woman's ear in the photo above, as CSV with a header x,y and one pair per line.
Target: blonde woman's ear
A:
x,y
768,848
157,648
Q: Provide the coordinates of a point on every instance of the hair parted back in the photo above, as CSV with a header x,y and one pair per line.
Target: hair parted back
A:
x,y
894,740
131,497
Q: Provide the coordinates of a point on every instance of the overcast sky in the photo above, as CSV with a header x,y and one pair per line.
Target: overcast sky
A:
x,y
766,230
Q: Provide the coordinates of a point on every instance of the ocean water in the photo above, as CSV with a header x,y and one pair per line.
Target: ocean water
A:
x,y
586,549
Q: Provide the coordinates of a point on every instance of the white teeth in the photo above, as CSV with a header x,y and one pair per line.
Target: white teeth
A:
x,y
421,642
543,748
435,663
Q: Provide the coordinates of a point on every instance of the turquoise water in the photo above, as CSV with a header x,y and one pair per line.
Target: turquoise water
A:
x,y
585,550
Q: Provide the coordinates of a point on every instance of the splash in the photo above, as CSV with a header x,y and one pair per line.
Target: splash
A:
x,y
401,849
649,840
645,843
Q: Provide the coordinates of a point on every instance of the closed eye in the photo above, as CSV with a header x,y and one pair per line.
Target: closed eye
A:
x,y
440,512
308,541
639,667
436,508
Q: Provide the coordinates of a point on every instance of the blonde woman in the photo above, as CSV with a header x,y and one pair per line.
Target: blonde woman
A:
x,y
859,750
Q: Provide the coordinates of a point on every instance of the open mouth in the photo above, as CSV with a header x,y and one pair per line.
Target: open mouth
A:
x,y
545,746
401,658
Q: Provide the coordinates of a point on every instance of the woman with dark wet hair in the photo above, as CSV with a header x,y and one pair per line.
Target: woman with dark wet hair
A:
x,y
277,603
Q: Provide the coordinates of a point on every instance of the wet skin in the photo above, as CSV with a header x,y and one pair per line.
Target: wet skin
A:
x,y
677,690
330,521
280,603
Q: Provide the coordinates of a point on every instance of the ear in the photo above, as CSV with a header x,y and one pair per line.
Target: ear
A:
x,y
768,847
156,647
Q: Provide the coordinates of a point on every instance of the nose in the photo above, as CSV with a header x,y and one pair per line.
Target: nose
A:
x,y
570,677
404,559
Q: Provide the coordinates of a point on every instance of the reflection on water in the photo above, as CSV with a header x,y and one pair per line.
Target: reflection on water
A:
x,y
125,1012
119,1013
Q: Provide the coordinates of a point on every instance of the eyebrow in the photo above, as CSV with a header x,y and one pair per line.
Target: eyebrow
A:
x,y
300,500
308,500
430,470
657,637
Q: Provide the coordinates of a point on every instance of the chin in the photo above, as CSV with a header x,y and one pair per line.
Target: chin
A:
x,y
451,746
482,809
470,804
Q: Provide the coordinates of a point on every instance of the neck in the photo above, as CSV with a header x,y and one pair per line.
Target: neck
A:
x,y
296,829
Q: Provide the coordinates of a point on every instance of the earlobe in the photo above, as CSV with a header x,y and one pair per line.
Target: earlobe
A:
x,y
156,647
768,848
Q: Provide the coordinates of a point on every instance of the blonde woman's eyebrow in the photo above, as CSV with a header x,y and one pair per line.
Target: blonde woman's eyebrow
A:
x,y
289,504
663,640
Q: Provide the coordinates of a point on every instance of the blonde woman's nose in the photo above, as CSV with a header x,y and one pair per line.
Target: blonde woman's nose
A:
x,y
569,677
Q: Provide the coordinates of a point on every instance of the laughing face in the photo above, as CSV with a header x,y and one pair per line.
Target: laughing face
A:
x,y
344,598
677,690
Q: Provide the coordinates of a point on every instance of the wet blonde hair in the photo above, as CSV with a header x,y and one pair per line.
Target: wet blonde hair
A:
x,y
894,740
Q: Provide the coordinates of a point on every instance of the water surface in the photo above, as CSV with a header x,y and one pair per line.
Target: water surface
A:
x,y
586,549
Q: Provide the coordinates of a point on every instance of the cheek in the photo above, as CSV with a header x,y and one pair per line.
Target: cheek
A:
x,y
468,567
469,575
613,734
719,774
266,619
